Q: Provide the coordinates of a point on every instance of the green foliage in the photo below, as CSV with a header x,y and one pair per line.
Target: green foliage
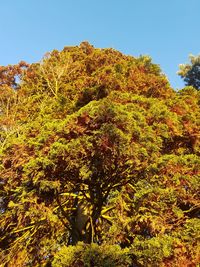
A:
x,y
99,163
191,72
92,255
151,252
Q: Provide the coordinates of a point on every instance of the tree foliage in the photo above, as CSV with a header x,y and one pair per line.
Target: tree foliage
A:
x,y
99,163
191,72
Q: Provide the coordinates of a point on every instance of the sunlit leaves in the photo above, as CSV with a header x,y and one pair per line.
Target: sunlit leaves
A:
x,y
96,147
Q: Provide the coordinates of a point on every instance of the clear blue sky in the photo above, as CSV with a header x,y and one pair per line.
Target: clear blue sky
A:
x,y
167,30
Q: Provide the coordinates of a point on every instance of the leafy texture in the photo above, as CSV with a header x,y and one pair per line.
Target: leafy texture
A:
x,y
191,72
99,163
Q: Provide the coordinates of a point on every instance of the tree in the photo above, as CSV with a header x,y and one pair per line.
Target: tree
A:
x,y
102,161
191,72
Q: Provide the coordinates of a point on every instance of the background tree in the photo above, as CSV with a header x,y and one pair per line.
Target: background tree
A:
x,y
191,72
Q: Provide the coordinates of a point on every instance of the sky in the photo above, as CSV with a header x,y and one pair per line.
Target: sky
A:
x,y
166,30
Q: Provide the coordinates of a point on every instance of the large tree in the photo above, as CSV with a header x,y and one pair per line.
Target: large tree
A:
x,y
101,151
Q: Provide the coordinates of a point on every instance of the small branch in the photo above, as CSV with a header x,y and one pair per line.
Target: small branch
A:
x,y
65,215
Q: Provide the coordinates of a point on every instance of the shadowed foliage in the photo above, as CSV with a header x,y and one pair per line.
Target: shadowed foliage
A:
x,y
191,72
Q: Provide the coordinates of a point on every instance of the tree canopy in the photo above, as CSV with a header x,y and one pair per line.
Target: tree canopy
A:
x,y
99,163
191,72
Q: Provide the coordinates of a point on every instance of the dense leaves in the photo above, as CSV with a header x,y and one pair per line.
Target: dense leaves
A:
x,y
191,72
99,163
